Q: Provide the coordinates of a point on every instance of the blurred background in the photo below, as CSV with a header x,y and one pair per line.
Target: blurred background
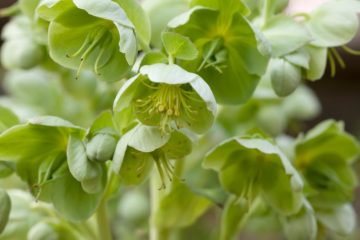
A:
x,y
339,96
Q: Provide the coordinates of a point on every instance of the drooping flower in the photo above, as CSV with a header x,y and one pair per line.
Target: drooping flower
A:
x,y
102,36
231,58
169,97
252,166
142,147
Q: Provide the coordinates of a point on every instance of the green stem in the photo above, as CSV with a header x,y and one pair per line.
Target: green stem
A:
x,y
104,229
266,12
156,233
103,221
10,11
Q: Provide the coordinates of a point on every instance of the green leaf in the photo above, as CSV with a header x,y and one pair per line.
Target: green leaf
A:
x,y
7,119
340,220
179,46
5,207
39,140
285,77
334,23
69,198
180,208
97,184
285,35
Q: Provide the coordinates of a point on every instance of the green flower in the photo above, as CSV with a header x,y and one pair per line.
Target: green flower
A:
x,y
169,97
24,46
253,166
229,60
324,156
141,147
99,35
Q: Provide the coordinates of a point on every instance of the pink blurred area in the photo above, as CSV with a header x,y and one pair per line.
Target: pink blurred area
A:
x,y
296,6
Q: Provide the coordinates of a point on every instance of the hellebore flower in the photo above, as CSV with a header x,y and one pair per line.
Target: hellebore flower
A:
x,y
141,147
324,156
252,166
169,97
102,36
230,60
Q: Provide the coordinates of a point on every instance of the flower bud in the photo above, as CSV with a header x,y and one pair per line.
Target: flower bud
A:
x,y
101,147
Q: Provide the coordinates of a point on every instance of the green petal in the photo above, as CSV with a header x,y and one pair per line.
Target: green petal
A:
x,y
340,220
142,138
178,146
236,77
334,23
331,181
258,165
105,9
302,225
318,60
285,35
138,18
136,167
147,139
65,41
180,208
327,138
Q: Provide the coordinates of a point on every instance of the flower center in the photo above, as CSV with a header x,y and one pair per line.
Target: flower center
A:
x,y
215,55
171,102
100,38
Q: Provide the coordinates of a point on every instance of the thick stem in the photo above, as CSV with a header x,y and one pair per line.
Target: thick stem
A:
x,y
156,233
104,229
